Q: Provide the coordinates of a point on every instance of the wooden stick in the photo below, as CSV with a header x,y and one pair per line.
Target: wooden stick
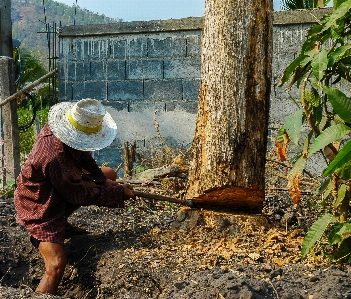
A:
x,y
27,88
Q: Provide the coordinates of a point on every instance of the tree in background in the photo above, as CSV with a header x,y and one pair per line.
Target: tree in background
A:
x,y
29,68
229,146
303,4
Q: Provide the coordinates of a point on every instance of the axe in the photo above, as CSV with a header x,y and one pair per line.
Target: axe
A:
x,y
187,202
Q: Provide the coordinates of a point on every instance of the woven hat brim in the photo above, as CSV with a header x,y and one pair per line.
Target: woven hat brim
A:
x,y
71,136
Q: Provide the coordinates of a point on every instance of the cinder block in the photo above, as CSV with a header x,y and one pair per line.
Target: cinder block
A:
x,y
283,60
87,71
277,39
142,106
65,91
89,89
194,44
118,48
80,72
62,94
113,156
155,47
117,105
188,106
78,91
175,46
166,46
79,49
275,67
71,71
61,70
281,108
116,70
63,50
125,90
97,49
83,52
282,93
164,90
292,38
97,70
182,68
144,69
191,89
68,51
137,48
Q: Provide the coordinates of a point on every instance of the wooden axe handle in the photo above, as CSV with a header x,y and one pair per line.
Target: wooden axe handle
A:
x,y
188,203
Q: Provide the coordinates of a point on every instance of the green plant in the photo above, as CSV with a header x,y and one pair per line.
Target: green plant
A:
x,y
324,63
27,137
9,189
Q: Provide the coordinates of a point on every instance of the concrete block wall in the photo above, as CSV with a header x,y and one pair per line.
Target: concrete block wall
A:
x,y
137,68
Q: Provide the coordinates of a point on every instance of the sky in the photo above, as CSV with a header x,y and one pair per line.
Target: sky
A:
x,y
146,10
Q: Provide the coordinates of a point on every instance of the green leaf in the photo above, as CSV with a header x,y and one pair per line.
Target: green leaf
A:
x,y
293,125
324,123
328,189
341,158
314,97
341,195
319,64
329,135
280,134
337,14
344,171
315,232
334,237
344,248
340,102
317,115
307,142
298,167
345,230
338,54
324,186
291,68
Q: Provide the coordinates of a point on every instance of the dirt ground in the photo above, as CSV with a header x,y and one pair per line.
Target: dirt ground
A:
x,y
160,250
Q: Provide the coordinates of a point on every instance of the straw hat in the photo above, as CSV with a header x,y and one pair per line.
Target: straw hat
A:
x,y
83,125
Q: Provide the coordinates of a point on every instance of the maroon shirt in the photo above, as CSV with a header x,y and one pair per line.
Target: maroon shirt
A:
x,y
52,179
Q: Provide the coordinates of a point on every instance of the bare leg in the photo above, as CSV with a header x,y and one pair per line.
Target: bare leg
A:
x,y
109,173
55,263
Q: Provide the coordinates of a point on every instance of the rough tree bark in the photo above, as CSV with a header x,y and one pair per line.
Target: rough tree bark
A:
x,y
128,158
230,141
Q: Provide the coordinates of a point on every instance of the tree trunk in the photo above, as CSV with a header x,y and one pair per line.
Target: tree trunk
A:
x,y
230,141
128,158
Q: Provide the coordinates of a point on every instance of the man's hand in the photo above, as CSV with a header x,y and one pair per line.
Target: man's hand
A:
x,y
126,187
128,191
110,183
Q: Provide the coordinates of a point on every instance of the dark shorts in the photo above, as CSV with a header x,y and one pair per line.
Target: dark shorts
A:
x,y
35,242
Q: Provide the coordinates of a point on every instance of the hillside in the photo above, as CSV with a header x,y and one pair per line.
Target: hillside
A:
x,y
29,17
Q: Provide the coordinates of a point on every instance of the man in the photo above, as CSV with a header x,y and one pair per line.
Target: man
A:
x,y
60,175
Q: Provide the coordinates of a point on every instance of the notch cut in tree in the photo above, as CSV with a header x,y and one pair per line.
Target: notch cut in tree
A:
x,y
229,147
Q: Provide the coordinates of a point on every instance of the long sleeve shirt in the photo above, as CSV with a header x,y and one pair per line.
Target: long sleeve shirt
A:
x,y
52,178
